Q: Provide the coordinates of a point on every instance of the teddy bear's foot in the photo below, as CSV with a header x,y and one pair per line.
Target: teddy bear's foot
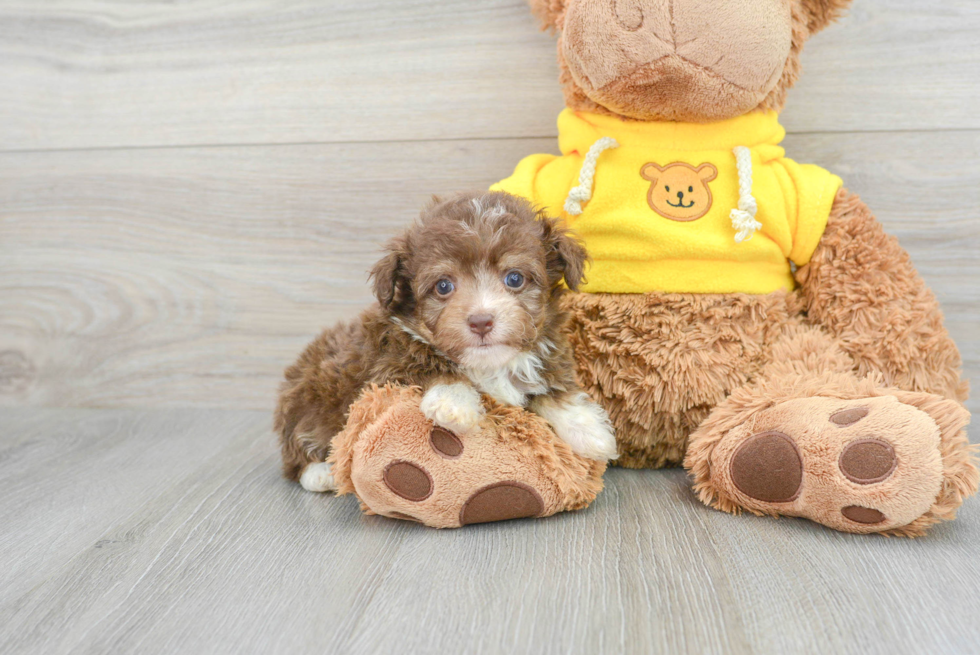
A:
x,y
403,466
895,462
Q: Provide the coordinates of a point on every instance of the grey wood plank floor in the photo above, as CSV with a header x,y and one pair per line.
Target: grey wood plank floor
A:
x,y
143,548
189,191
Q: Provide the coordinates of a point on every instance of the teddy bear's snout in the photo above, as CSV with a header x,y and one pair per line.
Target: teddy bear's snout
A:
x,y
621,52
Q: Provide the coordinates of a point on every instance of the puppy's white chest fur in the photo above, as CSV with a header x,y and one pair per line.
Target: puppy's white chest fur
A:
x,y
511,382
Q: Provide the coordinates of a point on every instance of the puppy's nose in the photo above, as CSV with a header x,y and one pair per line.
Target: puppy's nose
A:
x,y
481,324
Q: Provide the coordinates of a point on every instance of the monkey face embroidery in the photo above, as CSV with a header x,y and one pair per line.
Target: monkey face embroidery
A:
x,y
679,191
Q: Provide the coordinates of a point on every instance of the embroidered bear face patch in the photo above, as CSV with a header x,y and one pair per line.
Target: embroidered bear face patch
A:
x,y
679,191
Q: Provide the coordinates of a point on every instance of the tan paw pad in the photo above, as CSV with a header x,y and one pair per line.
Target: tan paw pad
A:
x,y
867,461
445,443
859,465
404,467
864,515
768,467
501,501
410,481
847,417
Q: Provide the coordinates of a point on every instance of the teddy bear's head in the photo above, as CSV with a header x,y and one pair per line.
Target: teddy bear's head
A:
x,y
683,60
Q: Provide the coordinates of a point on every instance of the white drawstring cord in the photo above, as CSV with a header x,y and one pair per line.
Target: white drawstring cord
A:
x,y
583,192
743,218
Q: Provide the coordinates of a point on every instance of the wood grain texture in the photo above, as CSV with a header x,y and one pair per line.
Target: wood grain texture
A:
x,y
193,276
65,473
108,73
215,553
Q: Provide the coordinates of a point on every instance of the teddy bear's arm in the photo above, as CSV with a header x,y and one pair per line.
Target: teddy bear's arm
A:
x,y
861,286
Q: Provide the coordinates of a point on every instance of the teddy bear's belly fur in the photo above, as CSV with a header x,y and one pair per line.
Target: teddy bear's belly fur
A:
x,y
660,363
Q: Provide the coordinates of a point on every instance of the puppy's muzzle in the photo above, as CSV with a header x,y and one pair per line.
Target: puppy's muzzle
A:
x,y
481,324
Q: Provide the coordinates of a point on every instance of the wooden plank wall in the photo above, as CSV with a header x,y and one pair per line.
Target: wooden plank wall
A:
x,y
189,191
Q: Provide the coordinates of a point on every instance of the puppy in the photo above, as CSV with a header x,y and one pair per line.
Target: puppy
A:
x,y
468,304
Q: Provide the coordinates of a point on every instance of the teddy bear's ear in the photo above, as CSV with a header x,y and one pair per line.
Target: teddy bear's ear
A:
x,y
823,12
707,172
651,172
549,12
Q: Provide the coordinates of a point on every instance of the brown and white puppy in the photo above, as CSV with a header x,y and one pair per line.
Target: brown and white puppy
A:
x,y
468,304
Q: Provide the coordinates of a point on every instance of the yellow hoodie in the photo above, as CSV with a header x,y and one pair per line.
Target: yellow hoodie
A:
x,y
654,202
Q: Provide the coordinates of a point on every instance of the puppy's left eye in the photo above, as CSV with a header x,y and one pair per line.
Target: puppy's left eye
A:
x,y
514,280
444,287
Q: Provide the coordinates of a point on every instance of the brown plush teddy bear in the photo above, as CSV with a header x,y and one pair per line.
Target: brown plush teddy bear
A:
x,y
745,315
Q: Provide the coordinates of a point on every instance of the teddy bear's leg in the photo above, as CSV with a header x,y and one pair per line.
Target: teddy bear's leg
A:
x,y
861,287
811,438
402,466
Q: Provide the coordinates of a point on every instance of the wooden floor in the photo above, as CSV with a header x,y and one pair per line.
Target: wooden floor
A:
x,y
189,191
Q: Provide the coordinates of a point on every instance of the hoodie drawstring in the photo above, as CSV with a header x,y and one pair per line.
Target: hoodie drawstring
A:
x,y
743,218
586,176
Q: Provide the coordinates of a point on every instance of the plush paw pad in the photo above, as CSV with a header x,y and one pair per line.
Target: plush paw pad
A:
x,y
403,466
445,443
867,461
857,465
410,481
441,472
768,467
847,417
864,515
501,501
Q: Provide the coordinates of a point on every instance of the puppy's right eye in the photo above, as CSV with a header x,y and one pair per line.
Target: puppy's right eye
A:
x,y
444,287
514,280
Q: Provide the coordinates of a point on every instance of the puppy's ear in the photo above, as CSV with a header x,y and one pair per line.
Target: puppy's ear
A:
x,y
821,13
551,13
389,275
566,256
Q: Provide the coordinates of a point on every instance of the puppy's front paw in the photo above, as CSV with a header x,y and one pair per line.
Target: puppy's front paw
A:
x,y
582,424
588,436
456,407
318,477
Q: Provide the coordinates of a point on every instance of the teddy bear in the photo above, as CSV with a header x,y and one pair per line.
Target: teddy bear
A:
x,y
744,316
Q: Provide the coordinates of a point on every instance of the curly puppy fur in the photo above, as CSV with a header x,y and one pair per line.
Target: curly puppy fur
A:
x,y
417,336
